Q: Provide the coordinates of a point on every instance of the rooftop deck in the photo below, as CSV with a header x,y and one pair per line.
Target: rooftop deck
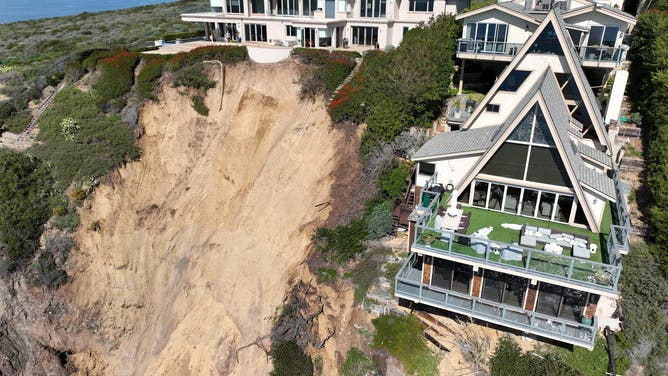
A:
x,y
500,250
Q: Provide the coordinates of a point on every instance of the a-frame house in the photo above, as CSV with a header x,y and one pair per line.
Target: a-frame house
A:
x,y
521,221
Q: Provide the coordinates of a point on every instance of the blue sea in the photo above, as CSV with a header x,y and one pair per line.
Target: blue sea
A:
x,y
20,10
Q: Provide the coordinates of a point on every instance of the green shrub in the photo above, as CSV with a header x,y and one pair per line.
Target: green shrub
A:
x,y
183,35
116,76
78,194
327,274
289,360
199,105
402,338
357,363
367,271
342,242
380,220
18,122
24,205
148,77
47,273
645,293
393,179
193,76
101,143
68,221
509,360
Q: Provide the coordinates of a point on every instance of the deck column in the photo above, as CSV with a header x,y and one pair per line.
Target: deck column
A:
x,y
427,266
461,77
411,235
532,296
476,288
590,309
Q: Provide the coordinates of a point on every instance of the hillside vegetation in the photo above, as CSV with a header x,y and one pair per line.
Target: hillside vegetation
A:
x,y
644,284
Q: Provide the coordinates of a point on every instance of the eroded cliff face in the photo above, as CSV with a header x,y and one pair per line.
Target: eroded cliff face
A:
x,y
197,240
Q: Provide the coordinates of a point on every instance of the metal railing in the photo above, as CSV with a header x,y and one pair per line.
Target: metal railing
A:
x,y
516,258
527,321
487,48
601,54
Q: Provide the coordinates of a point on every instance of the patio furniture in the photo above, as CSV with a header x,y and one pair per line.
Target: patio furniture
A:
x,y
581,252
479,247
592,248
553,248
483,232
447,235
511,254
511,226
528,240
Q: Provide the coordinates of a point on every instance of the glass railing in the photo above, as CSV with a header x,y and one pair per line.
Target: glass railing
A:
x,y
409,286
513,257
487,48
601,54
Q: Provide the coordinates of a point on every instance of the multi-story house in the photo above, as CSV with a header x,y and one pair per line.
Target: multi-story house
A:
x,y
520,220
321,23
493,35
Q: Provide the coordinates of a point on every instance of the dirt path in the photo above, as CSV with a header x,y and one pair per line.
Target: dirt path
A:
x,y
199,238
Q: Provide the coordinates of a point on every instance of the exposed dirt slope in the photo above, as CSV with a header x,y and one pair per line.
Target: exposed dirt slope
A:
x,y
199,238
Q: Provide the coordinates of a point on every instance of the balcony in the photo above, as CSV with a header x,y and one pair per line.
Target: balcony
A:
x,y
408,286
497,253
544,6
607,57
481,50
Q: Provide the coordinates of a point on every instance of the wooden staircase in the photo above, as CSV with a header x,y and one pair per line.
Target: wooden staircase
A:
x,y
402,207
43,107
358,62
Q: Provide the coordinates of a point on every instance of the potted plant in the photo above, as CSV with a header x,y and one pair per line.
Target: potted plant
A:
x,y
429,238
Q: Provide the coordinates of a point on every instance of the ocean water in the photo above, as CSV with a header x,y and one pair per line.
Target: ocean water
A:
x,y
20,10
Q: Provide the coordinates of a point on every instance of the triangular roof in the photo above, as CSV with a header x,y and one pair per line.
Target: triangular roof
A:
x,y
505,7
609,11
546,90
573,66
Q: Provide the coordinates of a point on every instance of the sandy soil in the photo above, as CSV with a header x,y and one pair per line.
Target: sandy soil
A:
x,y
199,238
2,96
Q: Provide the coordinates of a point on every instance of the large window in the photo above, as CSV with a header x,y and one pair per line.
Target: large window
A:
x,y
234,6
287,7
256,32
547,42
488,37
603,36
257,6
504,288
452,276
373,8
514,80
365,36
561,302
421,5
550,206
529,154
309,6
290,31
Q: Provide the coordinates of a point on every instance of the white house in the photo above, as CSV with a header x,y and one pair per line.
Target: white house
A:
x,y
321,23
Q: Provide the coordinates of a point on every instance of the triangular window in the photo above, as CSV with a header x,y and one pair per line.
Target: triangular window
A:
x,y
529,153
547,42
541,133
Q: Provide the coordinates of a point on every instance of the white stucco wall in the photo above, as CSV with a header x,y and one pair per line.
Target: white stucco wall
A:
x,y
453,169
518,30
598,19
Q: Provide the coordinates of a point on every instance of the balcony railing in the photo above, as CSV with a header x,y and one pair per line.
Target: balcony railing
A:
x,y
601,54
515,258
408,286
487,48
